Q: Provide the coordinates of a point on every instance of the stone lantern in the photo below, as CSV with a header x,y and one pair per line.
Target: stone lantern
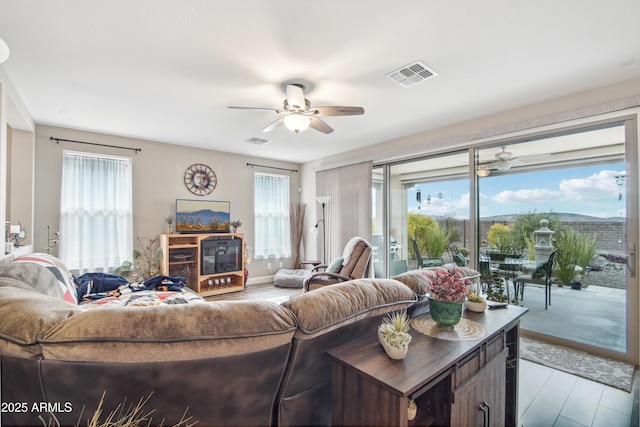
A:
x,y
544,242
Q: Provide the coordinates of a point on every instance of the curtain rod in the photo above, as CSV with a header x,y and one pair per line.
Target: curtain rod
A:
x,y
57,140
272,167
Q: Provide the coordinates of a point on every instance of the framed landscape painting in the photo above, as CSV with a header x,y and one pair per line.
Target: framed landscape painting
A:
x,y
202,216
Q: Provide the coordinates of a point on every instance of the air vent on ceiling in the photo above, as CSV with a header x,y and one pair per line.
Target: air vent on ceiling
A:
x,y
412,74
257,141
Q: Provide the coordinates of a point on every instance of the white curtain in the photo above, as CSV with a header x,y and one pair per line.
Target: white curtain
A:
x,y
273,230
95,212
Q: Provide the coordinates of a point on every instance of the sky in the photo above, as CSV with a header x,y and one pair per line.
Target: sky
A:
x,y
592,191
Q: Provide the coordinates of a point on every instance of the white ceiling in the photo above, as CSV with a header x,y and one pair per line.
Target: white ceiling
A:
x,y
166,70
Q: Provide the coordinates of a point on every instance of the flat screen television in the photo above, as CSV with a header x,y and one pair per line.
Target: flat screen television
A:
x,y
202,216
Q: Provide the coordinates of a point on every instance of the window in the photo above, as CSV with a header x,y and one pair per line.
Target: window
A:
x,y
271,204
96,218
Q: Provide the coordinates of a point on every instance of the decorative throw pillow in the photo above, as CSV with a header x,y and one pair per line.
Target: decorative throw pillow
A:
x,y
335,266
57,267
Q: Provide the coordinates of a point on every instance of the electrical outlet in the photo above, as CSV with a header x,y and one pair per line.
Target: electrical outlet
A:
x,y
268,266
280,264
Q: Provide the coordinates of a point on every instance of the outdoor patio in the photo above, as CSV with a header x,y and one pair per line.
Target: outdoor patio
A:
x,y
594,316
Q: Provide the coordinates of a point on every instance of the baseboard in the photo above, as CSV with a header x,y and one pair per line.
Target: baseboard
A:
x,y
259,280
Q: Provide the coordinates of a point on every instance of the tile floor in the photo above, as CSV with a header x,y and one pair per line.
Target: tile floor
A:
x,y
551,398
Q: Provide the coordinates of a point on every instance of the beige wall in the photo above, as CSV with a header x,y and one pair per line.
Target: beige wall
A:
x,y
158,180
20,182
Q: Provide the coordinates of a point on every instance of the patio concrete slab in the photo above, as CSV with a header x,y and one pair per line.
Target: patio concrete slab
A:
x,y
593,316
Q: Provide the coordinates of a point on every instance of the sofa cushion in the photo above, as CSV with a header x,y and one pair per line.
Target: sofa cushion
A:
x,y
170,332
329,307
418,280
30,305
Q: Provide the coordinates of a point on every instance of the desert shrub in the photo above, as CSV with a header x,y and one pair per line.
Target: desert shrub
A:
x,y
525,224
430,238
618,259
500,237
586,248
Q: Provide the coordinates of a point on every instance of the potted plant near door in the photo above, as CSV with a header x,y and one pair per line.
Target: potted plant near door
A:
x,y
447,292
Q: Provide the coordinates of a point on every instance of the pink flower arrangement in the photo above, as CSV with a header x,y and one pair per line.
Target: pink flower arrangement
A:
x,y
447,285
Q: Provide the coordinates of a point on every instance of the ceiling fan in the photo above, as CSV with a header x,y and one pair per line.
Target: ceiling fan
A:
x,y
297,114
505,160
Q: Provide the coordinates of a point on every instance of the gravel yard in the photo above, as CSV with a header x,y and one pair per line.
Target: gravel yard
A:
x,y
612,275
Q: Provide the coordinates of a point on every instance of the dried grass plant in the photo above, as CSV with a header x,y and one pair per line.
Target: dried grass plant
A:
x,y
134,416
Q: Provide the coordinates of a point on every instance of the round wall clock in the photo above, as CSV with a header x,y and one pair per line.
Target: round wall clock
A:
x,y
200,179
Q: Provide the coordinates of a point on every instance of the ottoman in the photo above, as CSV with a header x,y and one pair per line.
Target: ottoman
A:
x,y
287,278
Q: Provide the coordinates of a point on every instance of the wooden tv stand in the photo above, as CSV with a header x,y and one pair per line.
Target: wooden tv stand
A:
x,y
454,383
181,257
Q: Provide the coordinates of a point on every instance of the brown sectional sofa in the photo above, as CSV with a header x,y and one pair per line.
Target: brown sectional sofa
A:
x,y
221,363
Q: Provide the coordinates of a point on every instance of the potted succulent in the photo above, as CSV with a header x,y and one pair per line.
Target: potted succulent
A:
x,y
394,336
169,221
475,303
235,225
447,292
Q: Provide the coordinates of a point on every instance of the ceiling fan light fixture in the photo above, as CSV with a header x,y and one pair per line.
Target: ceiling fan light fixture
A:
x,y
483,171
503,165
296,122
4,51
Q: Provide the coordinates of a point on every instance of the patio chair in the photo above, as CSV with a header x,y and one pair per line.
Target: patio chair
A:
x,y
540,277
353,264
456,256
484,267
425,263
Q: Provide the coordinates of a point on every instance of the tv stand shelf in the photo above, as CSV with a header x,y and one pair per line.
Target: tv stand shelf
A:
x,y
182,256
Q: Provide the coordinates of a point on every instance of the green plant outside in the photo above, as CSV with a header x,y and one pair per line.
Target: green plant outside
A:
x,y
525,224
575,250
430,238
500,237
530,246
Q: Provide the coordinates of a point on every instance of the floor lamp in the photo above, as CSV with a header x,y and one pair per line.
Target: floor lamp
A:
x,y
323,200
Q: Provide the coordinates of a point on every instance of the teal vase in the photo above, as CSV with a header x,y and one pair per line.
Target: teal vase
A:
x,y
446,314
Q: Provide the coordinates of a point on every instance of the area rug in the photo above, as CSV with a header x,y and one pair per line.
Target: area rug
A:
x,y
607,371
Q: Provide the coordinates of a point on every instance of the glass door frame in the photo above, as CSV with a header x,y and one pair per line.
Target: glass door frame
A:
x,y
630,122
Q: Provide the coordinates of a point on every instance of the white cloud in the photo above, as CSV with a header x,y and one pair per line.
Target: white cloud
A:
x,y
526,196
600,185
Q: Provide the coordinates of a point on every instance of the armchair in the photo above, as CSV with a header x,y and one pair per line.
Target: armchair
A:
x,y
354,264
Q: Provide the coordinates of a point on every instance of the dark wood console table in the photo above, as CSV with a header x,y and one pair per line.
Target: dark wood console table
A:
x,y
458,383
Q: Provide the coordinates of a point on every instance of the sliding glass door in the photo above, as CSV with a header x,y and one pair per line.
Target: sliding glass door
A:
x,y
577,185
428,216
564,192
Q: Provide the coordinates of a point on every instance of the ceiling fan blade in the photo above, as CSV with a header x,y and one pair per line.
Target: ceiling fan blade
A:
x,y
320,125
273,125
254,108
338,111
295,96
533,157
